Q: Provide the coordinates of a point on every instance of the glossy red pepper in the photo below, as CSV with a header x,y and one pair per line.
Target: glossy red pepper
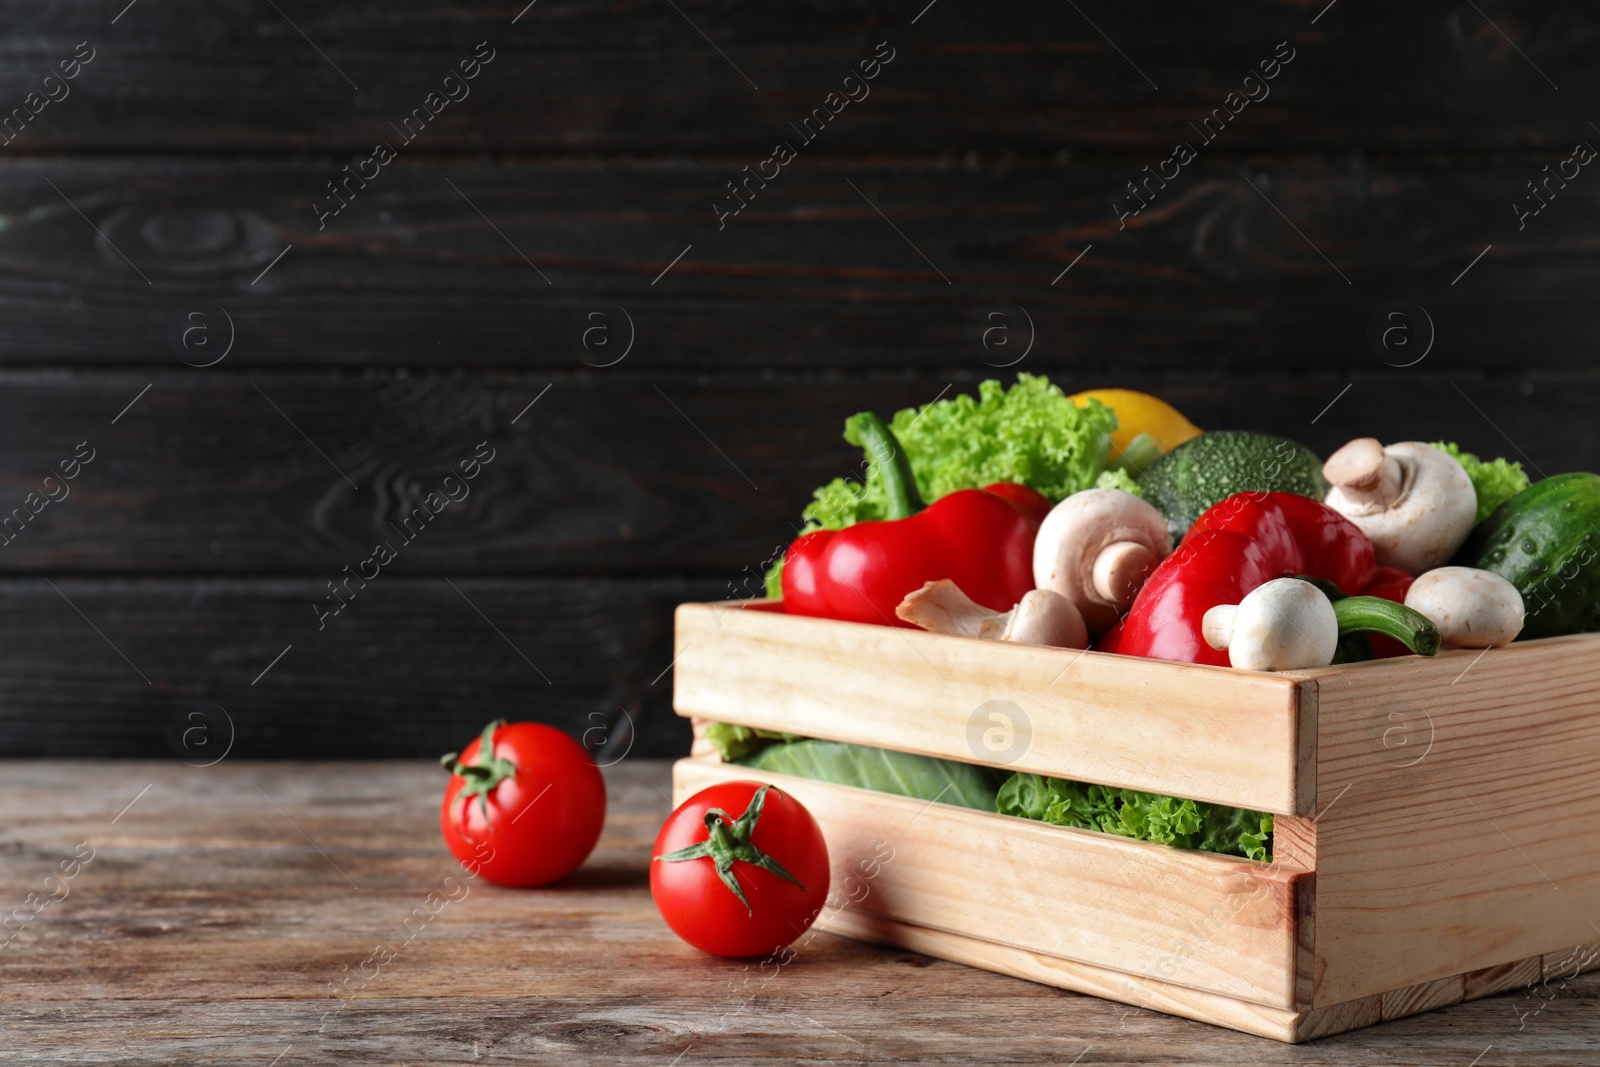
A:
x,y
1243,542
981,539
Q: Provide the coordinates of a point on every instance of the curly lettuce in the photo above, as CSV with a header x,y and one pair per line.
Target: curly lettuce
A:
x,y
1143,816
1030,433
1495,481
1118,479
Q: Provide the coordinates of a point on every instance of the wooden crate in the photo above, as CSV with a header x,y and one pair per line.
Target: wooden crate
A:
x,y
1437,820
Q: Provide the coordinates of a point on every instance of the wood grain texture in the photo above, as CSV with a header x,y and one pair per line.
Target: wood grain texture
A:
x,y
640,77
1212,923
1337,1018
1145,994
1425,996
1228,737
604,475
1501,978
1570,962
808,277
206,931
409,666
1473,843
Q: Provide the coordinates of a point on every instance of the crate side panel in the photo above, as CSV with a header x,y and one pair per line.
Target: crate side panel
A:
x,y
1501,978
1459,824
1200,732
1107,983
1212,923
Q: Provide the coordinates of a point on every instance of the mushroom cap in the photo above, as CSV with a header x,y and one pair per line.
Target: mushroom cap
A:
x,y
1074,534
1043,617
1283,625
1417,513
1471,608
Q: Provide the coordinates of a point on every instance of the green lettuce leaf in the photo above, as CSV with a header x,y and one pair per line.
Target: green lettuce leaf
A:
x,y
1495,481
734,743
900,773
1118,478
1144,816
1030,433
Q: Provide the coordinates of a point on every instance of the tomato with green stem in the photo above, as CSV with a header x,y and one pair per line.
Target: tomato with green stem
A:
x,y
524,805
745,884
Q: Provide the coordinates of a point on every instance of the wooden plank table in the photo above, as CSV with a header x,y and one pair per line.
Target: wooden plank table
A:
x,y
227,913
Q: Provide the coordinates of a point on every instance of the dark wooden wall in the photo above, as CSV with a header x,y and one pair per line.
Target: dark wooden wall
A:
x,y
156,197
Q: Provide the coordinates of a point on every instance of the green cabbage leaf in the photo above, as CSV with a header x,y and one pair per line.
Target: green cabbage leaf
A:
x,y
884,770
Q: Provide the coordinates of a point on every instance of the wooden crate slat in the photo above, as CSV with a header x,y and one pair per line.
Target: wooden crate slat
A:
x,y
1500,978
1212,923
1205,733
1471,844
1337,1018
1426,996
1106,982
1569,962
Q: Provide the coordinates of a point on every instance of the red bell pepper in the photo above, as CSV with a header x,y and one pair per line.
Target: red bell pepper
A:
x,y
981,539
1248,540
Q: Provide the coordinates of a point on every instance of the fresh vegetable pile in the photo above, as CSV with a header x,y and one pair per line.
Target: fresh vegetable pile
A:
x,y
1104,520
1107,520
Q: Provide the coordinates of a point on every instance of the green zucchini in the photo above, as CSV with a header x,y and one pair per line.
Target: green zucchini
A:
x,y
1546,542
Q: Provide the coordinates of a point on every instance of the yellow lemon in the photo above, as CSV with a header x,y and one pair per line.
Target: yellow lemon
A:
x,y
1139,413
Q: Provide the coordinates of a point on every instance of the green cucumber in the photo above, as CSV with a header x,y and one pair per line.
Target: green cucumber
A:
x,y
1546,542
1212,467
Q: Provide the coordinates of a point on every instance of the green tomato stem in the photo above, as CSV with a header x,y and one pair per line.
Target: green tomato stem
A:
x,y
728,842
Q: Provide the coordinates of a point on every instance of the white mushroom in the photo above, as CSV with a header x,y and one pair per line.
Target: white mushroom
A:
x,y
1471,608
1040,618
1413,501
1281,625
1096,548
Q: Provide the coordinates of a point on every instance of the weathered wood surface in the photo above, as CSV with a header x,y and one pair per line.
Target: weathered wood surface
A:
x,y
644,77
1210,278
622,476
208,930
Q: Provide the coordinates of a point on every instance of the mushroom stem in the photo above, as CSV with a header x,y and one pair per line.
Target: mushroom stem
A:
x,y
1095,548
1040,618
1365,472
1414,502
942,608
1120,570
1216,626
1281,625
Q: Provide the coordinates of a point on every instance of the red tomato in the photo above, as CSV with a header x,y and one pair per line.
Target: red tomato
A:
x,y
732,841
524,805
